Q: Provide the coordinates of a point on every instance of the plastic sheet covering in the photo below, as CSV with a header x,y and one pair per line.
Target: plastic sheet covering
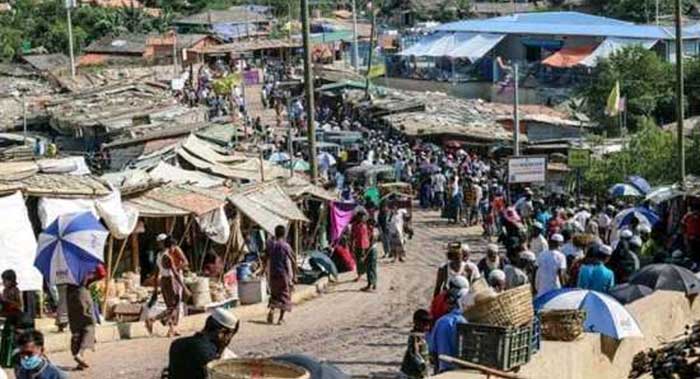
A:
x,y
471,46
215,225
612,45
18,243
120,220
71,165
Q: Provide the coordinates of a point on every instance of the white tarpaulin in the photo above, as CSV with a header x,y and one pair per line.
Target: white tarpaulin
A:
x,y
170,173
215,225
120,220
18,243
70,165
611,45
471,46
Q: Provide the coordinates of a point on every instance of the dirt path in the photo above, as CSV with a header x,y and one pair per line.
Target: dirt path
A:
x,y
363,333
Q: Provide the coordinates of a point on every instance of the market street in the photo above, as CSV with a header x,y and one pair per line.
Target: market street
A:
x,y
363,333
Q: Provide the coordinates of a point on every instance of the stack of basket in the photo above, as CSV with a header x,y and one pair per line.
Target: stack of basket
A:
x,y
500,330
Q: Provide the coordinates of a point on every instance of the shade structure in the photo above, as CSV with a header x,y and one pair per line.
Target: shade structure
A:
x,y
568,56
70,248
612,45
668,277
624,190
604,314
472,46
661,194
628,292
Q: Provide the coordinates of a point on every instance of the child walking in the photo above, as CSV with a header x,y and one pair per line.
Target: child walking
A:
x,y
416,360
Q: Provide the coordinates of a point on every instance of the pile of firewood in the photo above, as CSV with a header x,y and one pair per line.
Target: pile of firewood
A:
x,y
679,359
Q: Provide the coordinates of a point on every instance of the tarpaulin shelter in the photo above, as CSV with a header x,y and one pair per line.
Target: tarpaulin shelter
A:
x,y
588,56
267,205
471,46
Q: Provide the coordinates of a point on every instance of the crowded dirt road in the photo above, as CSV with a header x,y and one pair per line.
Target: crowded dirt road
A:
x,y
363,333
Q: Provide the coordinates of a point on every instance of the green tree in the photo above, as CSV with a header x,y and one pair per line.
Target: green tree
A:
x,y
645,81
643,11
650,153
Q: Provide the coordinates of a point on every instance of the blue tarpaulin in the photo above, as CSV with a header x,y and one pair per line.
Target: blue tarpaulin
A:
x,y
230,32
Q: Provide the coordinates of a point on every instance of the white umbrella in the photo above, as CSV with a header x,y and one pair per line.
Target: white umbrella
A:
x,y
604,314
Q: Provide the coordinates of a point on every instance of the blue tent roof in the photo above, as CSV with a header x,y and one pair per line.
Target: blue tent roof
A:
x,y
566,23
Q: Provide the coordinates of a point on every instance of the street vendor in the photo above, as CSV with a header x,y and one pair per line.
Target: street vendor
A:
x,y
170,266
189,356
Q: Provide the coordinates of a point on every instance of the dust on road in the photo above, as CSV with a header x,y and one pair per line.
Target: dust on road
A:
x,y
363,333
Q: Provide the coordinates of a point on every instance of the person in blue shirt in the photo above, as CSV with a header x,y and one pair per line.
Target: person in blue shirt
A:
x,y
442,340
33,364
594,275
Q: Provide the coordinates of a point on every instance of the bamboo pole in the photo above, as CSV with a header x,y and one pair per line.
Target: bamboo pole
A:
x,y
187,229
484,370
119,257
135,264
108,277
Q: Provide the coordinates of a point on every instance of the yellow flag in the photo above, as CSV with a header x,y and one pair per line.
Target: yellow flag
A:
x,y
612,108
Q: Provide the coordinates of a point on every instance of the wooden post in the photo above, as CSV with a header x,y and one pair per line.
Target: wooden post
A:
x,y
135,264
262,168
119,257
297,246
108,276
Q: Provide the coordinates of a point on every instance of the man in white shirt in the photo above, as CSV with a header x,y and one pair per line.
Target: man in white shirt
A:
x,y
551,267
538,243
439,181
471,267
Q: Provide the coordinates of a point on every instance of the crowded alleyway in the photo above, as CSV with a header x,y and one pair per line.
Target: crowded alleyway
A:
x,y
363,333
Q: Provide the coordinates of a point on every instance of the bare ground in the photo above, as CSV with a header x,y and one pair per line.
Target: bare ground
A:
x,y
363,333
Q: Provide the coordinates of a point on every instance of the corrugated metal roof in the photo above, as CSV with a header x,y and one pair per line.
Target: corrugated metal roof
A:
x,y
268,206
559,23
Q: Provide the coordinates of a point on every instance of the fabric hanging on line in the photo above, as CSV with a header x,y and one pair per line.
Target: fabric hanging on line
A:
x,y
18,243
341,215
120,220
215,225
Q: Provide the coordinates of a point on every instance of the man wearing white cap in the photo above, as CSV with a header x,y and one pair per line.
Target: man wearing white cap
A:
x,y
189,356
624,262
551,267
594,275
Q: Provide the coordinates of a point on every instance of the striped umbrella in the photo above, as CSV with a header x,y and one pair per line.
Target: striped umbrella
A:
x,y
604,314
70,248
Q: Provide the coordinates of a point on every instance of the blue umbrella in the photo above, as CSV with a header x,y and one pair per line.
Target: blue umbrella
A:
x,y
645,216
624,190
604,314
279,157
71,248
640,184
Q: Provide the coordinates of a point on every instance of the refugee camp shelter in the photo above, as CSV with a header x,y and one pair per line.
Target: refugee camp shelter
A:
x,y
234,23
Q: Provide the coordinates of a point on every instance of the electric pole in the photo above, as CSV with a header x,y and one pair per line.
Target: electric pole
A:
x,y
309,89
679,92
516,112
371,49
355,49
70,4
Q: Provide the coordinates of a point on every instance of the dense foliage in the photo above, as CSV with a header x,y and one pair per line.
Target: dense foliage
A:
x,y
646,81
641,11
34,23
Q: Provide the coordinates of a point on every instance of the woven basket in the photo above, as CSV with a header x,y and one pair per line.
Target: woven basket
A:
x,y
562,325
254,369
510,308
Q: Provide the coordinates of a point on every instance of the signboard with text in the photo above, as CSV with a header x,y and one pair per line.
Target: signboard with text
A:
x,y
527,169
579,158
